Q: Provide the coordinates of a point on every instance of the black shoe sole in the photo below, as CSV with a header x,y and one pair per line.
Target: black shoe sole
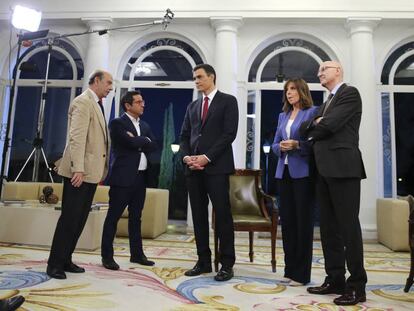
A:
x,y
359,300
57,276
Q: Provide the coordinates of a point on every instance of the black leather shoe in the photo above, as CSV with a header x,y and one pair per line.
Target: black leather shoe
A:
x,y
110,263
224,274
71,267
198,269
326,288
142,260
11,304
55,273
350,299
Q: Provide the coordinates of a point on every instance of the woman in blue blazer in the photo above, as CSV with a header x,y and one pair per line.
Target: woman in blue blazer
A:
x,y
295,185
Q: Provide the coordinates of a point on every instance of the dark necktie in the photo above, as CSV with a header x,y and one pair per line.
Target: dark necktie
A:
x,y
102,108
328,101
205,110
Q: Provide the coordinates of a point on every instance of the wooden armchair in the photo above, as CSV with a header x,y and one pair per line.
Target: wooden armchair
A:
x,y
252,209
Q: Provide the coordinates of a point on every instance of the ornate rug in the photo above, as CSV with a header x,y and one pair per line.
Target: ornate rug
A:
x,y
164,286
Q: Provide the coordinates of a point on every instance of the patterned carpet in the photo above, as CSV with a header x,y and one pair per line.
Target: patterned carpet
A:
x,y
164,286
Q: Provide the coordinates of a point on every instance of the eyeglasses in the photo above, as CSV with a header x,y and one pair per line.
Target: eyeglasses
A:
x,y
139,102
323,69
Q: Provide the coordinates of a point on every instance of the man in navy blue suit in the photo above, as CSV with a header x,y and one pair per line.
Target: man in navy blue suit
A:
x,y
209,128
132,141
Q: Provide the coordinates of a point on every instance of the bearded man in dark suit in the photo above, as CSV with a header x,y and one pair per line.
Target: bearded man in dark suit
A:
x,y
209,128
335,137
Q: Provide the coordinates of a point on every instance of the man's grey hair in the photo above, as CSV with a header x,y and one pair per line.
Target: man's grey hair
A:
x,y
97,73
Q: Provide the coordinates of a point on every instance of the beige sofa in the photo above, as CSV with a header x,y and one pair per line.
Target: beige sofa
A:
x,y
154,216
392,223
29,222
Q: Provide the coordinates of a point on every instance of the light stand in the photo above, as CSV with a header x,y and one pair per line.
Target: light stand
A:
x,y
38,140
6,145
266,150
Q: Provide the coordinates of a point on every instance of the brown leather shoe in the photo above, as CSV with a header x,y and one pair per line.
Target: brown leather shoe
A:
x,y
350,299
326,289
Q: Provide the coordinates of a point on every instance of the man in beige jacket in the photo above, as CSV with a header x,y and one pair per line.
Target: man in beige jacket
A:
x,y
83,165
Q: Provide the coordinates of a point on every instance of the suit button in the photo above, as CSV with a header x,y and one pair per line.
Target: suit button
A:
x,y
104,155
199,135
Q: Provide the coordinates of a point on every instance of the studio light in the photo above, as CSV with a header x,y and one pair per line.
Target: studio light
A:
x,y
25,18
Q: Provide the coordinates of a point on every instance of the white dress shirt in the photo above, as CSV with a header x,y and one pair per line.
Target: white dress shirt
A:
x,y
143,163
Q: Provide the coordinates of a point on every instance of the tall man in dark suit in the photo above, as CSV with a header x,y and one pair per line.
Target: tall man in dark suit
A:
x,y
209,128
334,133
83,165
132,141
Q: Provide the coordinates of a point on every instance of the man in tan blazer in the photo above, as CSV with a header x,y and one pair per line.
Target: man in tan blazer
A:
x,y
83,165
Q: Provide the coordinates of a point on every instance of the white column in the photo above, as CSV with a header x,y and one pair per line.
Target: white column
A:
x,y
97,56
226,66
363,77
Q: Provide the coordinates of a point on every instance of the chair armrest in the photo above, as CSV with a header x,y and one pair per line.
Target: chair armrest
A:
x,y
271,203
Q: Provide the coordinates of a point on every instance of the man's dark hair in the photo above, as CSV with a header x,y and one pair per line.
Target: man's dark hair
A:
x,y
97,73
128,98
208,69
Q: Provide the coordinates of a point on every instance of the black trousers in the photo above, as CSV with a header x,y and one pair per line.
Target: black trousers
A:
x,y
119,198
297,216
201,187
339,201
76,204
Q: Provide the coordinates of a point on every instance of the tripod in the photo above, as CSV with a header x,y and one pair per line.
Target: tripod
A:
x,y
38,150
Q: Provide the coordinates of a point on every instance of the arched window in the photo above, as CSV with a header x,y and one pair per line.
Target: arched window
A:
x,y
162,60
281,60
64,83
397,94
162,70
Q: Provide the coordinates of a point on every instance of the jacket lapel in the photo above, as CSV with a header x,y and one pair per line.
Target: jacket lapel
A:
x,y
297,122
212,107
335,98
129,124
283,125
197,109
99,114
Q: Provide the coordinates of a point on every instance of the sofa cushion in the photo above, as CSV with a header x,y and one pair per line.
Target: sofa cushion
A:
x,y
20,191
101,194
154,216
392,223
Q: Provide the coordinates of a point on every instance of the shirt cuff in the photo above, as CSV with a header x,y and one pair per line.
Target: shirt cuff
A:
x,y
207,158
